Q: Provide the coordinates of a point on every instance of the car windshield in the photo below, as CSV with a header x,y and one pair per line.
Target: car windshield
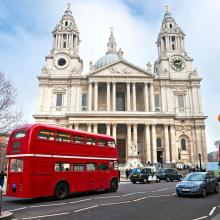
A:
x,y
161,170
136,170
194,177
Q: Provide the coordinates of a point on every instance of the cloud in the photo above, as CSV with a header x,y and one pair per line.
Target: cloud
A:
x,y
25,39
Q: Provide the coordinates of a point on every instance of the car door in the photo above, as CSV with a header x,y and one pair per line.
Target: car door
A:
x,y
208,183
212,181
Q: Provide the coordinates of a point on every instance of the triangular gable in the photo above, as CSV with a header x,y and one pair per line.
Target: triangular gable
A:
x,y
121,68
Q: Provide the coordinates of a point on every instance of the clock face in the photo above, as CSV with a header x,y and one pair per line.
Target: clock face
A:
x,y
177,63
61,61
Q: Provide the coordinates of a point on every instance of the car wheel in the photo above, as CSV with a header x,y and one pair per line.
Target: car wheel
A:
x,y
113,185
168,179
61,191
158,180
217,188
145,180
133,182
178,194
204,193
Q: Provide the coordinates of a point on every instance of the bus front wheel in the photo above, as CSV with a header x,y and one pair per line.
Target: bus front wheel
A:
x,y
61,190
113,185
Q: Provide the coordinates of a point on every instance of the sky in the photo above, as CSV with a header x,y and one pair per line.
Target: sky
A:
x,y
26,38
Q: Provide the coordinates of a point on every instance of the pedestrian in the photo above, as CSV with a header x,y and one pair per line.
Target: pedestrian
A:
x,y
127,173
2,178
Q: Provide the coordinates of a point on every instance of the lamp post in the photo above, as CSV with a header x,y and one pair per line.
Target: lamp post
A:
x,y
200,163
179,155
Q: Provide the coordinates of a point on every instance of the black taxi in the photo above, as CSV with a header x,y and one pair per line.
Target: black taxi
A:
x,y
143,175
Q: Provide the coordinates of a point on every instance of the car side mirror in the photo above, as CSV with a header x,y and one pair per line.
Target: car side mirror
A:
x,y
207,180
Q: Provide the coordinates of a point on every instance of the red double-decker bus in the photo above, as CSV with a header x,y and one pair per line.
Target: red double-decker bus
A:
x,y
48,161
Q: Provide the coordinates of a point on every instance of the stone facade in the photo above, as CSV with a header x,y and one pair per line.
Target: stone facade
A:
x,y
155,114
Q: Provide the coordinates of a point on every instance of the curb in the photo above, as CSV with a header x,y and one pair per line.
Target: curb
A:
x,y
6,215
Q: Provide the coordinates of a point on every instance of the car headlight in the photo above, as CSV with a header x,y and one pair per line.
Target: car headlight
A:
x,y
196,186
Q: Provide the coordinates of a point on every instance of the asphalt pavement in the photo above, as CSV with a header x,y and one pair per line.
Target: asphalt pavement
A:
x,y
156,201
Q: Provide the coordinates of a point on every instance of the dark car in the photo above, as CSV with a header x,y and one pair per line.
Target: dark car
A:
x,y
144,175
198,183
168,174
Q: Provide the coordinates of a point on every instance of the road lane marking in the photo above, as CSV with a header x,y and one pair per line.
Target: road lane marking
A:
x,y
45,216
47,205
12,210
159,196
83,200
129,194
107,197
212,211
173,194
135,200
159,190
200,218
115,203
91,207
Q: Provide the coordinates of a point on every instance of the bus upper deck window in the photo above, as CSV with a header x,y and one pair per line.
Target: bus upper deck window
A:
x,y
78,139
111,143
19,134
60,136
101,142
16,165
46,135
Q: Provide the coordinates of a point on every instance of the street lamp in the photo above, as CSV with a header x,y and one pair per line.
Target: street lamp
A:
x,y
200,163
161,160
179,153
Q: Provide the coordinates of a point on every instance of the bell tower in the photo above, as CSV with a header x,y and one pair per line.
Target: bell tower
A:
x,y
173,60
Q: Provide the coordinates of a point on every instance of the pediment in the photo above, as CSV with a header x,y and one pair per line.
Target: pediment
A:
x,y
121,68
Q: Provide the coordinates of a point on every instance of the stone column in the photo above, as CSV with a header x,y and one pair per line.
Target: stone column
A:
x,y
89,127
90,97
114,126
128,140
154,148
96,97
204,148
152,97
108,130
95,128
174,148
146,97
135,138
76,126
114,96
128,97
134,96
108,96
167,150
147,142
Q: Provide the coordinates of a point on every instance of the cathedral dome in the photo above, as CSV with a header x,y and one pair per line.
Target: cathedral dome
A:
x,y
106,60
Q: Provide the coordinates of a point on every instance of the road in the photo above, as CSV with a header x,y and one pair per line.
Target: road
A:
x,y
156,201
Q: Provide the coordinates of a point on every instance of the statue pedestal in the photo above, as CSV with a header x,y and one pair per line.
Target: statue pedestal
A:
x,y
133,162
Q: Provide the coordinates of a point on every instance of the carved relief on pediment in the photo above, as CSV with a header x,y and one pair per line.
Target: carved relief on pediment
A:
x,y
183,129
179,90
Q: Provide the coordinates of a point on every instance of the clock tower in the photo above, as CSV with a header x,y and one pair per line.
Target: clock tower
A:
x,y
173,60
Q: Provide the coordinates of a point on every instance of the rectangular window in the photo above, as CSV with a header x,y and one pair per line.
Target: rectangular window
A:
x,y
46,135
101,142
90,167
181,102
59,99
84,102
111,143
78,167
78,139
60,136
157,102
103,166
61,167
16,165
111,165
90,141
19,134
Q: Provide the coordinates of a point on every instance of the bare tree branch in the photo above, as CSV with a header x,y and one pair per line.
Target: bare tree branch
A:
x,y
9,117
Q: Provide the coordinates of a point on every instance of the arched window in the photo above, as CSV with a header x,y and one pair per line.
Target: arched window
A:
x,y
66,23
183,144
158,142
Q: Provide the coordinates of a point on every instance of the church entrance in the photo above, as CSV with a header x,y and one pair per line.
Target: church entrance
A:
x,y
160,157
121,144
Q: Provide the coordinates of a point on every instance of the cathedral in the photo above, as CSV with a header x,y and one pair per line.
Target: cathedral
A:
x,y
154,114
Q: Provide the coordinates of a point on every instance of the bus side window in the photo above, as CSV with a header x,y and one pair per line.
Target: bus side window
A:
x,y
102,142
90,141
46,135
103,166
16,165
111,165
111,143
78,167
90,167
78,139
61,136
61,167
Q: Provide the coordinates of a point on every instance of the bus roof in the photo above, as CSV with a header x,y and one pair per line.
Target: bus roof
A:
x,y
46,126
